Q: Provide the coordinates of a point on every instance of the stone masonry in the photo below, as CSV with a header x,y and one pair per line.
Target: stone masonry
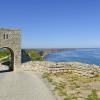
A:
x,y
11,39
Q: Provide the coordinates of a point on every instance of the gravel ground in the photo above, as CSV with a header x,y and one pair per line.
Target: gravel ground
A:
x,y
23,86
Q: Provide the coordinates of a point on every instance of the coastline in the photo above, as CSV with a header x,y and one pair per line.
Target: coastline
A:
x,y
87,56
48,51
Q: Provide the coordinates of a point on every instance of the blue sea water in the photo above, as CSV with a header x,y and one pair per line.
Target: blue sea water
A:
x,y
89,56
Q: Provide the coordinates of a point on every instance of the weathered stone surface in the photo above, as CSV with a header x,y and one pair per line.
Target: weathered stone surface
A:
x,y
11,39
79,68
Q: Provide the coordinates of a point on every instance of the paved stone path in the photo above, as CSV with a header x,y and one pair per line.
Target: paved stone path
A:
x,y
23,86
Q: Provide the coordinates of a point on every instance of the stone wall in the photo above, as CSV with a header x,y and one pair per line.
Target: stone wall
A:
x,y
79,68
11,39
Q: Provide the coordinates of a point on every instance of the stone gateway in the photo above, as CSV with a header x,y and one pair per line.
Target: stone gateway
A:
x,y
11,39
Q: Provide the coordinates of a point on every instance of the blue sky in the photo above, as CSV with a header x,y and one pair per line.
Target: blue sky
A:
x,y
53,23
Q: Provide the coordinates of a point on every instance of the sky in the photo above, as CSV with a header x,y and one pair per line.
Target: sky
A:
x,y
53,23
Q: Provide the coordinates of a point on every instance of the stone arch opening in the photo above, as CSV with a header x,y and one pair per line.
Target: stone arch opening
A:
x,y
9,60
11,39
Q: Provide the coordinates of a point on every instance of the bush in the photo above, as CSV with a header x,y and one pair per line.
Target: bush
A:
x,y
35,56
4,53
93,96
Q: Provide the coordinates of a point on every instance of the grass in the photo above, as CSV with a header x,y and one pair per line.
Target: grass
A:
x,y
46,75
69,81
4,53
67,98
60,87
93,96
35,55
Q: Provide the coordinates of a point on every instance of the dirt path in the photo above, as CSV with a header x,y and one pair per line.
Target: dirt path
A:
x,y
23,86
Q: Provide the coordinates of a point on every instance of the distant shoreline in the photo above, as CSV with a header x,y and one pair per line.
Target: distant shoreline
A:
x,y
88,56
47,51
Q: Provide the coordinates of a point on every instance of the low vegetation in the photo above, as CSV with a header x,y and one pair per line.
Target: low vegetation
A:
x,y
4,54
93,96
35,55
70,86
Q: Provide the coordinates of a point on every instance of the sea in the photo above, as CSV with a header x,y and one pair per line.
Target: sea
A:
x,y
86,55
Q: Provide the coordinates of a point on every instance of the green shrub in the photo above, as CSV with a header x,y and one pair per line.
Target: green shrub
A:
x,y
35,56
93,96
4,53
67,98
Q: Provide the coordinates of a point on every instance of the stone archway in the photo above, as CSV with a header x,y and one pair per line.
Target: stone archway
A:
x,y
11,39
11,66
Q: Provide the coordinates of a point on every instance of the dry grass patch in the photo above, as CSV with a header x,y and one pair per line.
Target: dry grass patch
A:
x,y
71,86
